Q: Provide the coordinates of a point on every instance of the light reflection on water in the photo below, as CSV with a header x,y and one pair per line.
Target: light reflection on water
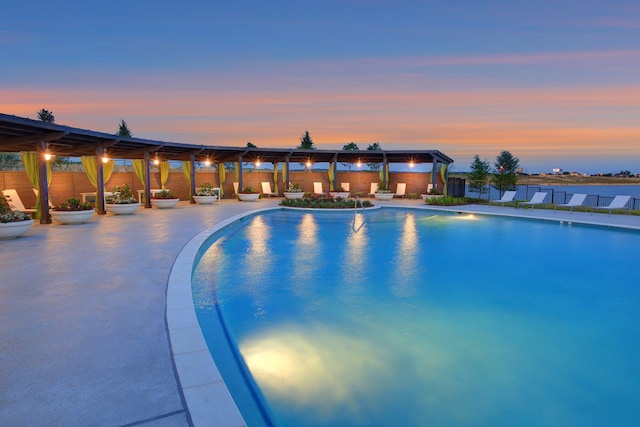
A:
x,y
420,320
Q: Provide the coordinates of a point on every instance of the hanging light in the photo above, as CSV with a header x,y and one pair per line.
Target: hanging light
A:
x,y
411,164
359,163
47,153
308,162
207,162
156,161
258,162
105,158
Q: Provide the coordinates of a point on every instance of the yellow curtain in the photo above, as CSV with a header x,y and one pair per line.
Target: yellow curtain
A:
x,y
284,174
222,175
30,161
164,173
332,176
186,168
89,166
107,170
443,175
237,165
138,168
275,178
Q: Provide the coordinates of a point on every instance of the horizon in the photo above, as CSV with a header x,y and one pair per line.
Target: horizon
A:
x,y
553,83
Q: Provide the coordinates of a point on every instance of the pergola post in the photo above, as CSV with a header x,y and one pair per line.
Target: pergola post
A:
x,y
100,208
192,159
434,174
45,218
286,183
147,178
240,186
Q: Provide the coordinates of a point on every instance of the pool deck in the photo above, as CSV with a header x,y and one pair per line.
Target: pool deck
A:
x,y
83,318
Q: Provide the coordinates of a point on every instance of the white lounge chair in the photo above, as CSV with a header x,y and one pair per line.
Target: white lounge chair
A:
x,y
345,186
373,189
429,188
537,199
401,189
507,197
618,202
576,200
15,203
317,188
235,189
266,189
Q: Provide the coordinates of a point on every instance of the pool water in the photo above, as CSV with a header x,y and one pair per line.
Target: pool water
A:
x,y
423,318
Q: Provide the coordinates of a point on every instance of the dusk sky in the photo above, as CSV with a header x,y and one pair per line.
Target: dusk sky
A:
x,y
557,83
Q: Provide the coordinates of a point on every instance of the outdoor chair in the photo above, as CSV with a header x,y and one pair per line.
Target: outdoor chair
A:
x,y
266,189
374,188
15,203
401,189
235,189
618,202
507,197
345,186
576,200
317,188
537,199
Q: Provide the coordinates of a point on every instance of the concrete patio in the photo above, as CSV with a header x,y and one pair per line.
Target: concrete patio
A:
x,y
82,317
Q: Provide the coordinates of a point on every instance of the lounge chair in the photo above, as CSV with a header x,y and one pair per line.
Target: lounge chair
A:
x,y
374,188
576,200
401,190
537,199
429,188
266,189
618,202
235,189
15,203
317,188
508,196
345,186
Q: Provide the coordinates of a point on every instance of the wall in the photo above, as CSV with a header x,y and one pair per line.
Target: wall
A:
x,y
70,184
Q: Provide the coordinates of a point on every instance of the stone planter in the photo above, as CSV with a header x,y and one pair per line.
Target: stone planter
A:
x,y
248,197
384,196
122,208
293,194
205,200
11,230
72,217
164,203
341,194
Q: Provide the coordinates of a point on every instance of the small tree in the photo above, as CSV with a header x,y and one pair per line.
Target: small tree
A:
x,y
479,175
123,129
352,146
375,167
306,143
9,161
505,171
46,116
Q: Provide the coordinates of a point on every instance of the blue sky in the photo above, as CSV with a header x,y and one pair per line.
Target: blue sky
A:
x,y
554,82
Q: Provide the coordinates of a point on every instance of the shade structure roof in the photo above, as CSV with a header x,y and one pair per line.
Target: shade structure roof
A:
x,y
23,134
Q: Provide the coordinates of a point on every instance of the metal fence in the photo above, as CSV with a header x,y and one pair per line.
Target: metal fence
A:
x,y
554,195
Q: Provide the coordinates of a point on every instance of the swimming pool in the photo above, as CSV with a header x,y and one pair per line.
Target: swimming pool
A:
x,y
424,318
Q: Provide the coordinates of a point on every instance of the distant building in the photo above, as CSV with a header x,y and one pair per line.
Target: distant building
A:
x,y
557,171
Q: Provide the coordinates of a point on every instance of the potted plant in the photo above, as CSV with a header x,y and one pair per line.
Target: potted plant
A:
x,y
206,194
340,192
12,223
164,199
294,191
122,201
383,193
73,211
248,194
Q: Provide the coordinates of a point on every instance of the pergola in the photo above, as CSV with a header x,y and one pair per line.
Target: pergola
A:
x,y
23,134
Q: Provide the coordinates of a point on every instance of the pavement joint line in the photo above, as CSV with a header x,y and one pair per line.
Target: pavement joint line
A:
x,y
156,418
